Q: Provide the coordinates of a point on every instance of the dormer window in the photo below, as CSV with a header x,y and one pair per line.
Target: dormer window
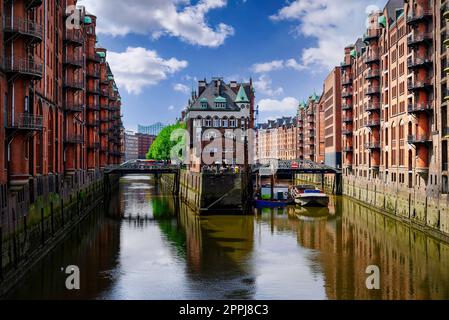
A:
x,y
220,102
204,103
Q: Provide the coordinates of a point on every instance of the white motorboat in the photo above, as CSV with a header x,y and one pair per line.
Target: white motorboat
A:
x,y
308,196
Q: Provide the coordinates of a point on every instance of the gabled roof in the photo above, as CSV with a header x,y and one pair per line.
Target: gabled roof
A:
x,y
241,96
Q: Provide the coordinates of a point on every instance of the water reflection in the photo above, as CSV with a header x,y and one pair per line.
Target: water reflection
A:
x,y
149,246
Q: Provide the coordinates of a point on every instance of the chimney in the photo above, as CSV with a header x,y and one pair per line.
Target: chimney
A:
x,y
201,86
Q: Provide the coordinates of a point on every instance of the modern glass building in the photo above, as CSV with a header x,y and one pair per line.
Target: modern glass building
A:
x,y
152,130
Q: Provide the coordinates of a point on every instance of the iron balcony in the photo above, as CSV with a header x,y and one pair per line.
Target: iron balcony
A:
x,y
71,84
416,84
419,16
73,61
74,36
73,107
348,120
346,81
93,57
93,91
419,38
93,74
348,149
347,132
375,90
420,107
346,94
371,107
372,58
93,108
25,121
372,124
372,145
346,107
345,64
372,34
419,139
24,67
23,27
419,62
372,74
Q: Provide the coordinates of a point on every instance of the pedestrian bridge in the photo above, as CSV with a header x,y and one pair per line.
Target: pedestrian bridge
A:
x,y
275,166
142,168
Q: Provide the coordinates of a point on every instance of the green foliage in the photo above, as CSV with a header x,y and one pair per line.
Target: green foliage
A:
x,y
161,147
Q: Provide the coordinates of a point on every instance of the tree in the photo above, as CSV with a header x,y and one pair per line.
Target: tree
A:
x,y
161,147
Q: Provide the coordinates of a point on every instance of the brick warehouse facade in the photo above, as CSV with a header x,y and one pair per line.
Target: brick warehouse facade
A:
x,y
59,130
394,104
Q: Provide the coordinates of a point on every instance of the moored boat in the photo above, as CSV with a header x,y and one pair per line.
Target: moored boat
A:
x,y
308,196
273,197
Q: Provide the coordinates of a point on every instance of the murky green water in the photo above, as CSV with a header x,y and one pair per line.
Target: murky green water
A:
x,y
149,248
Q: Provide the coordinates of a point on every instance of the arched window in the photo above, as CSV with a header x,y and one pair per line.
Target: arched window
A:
x,y
208,122
217,122
225,122
232,122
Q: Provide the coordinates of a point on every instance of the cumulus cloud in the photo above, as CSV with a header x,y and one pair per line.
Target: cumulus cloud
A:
x,y
287,104
181,88
177,18
268,66
264,85
137,68
334,24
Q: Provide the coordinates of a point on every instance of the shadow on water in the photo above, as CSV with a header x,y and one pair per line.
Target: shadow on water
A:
x,y
146,245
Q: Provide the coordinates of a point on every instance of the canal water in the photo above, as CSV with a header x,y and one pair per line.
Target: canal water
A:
x,y
145,245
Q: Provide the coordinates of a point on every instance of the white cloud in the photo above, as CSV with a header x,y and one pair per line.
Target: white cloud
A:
x,y
287,104
137,68
264,85
268,66
171,108
334,24
181,88
177,18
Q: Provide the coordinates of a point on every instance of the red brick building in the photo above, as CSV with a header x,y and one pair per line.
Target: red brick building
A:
x,y
144,142
50,100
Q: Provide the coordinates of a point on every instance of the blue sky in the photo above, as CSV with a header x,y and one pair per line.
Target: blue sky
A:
x,y
157,48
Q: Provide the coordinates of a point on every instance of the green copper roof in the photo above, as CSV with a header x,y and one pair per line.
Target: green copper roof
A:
x,y
101,54
87,20
203,100
382,21
220,99
110,77
241,96
354,53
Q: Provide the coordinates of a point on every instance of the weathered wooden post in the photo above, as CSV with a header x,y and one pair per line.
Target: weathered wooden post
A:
x,y
42,227
272,186
322,182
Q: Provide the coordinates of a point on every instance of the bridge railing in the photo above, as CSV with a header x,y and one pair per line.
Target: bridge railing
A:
x,y
275,164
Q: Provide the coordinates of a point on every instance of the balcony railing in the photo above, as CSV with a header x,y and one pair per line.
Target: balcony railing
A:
x,y
372,90
105,107
372,145
418,139
23,27
74,84
94,57
73,61
74,139
347,120
346,107
372,34
93,107
373,107
74,36
346,93
25,121
419,107
417,84
372,74
372,123
418,38
348,149
33,3
24,67
419,62
347,132
345,64
93,90
419,16
73,107
346,81
372,57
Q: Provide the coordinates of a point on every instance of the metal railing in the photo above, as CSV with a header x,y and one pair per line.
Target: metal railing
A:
x,y
371,34
27,122
372,90
420,107
419,15
74,84
23,66
372,145
372,123
418,37
372,74
23,26
419,138
73,107
74,36
74,139
73,61
419,84
414,62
